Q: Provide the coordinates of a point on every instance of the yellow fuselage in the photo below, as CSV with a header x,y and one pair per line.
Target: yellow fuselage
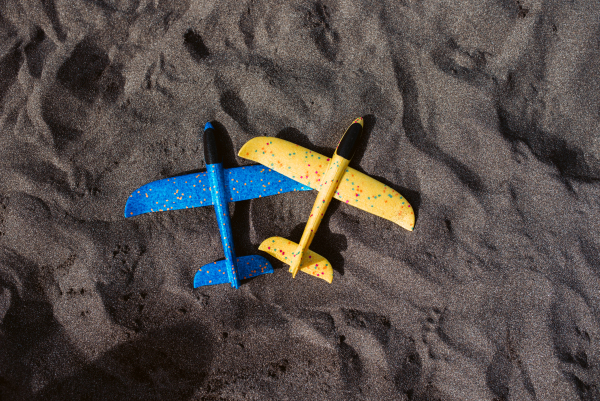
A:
x,y
331,180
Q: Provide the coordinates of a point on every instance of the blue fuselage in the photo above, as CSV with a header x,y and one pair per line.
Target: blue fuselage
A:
x,y
221,205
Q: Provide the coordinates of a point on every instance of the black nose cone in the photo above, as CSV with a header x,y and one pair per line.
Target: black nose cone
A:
x,y
211,153
347,145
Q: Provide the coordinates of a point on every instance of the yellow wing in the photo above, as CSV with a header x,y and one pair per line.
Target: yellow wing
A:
x,y
308,167
293,161
360,190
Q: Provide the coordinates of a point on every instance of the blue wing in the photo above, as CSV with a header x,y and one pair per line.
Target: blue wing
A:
x,y
257,181
181,192
192,190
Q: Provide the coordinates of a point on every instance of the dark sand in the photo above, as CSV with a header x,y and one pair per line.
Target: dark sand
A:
x,y
484,114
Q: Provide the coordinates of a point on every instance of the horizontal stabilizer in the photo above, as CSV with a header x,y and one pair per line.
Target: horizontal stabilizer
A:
x,y
312,263
246,266
211,274
251,266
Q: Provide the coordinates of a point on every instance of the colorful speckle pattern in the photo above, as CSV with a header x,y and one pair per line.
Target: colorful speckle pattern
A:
x,y
246,267
193,190
309,168
312,263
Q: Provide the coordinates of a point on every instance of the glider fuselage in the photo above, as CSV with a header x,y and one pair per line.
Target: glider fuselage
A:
x,y
221,205
335,170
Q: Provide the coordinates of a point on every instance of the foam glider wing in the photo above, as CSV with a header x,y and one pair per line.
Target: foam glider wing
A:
x,y
180,192
250,182
193,190
309,168
217,187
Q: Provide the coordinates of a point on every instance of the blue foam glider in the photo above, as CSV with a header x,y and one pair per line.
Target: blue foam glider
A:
x,y
217,187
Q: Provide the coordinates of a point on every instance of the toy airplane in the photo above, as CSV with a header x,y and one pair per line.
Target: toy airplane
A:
x,y
332,178
217,187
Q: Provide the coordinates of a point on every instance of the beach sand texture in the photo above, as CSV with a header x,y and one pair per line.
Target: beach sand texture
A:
x,y
483,114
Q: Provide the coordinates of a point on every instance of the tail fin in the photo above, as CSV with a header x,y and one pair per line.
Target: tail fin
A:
x,y
246,266
312,263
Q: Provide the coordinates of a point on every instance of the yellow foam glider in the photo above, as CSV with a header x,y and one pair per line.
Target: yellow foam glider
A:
x,y
333,179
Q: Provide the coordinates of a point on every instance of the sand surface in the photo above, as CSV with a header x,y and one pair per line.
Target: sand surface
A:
x,y
484,114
